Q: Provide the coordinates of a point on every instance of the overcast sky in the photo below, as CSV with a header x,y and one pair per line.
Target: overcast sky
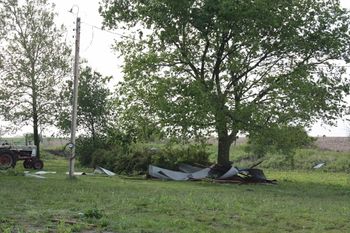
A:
x,y
96,47
95,43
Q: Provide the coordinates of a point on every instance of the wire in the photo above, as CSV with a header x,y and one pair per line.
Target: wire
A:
x,y
92,39
114,33
121,35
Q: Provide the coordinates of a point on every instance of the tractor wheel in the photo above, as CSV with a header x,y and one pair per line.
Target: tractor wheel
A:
x,y
7,160
27,164
37,164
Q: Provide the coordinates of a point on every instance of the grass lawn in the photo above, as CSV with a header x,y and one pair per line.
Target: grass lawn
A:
x,y
301,202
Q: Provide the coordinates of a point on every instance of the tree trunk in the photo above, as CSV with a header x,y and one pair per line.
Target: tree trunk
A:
x,y
93,133
224,145
36,134
35,113
224,140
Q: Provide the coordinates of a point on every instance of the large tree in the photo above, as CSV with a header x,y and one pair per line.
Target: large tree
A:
x,y
35,61
233,66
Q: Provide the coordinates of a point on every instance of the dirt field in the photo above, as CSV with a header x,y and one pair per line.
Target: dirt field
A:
x,y
333,143
54,142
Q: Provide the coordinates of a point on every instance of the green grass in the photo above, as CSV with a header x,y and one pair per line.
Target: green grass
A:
x,y
301,202
304,158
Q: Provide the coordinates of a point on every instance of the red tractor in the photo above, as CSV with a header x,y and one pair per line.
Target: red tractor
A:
x,y
10,155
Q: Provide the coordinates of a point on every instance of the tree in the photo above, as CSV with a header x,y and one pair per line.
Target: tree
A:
x,y
94,103
35,62
233,66
94,108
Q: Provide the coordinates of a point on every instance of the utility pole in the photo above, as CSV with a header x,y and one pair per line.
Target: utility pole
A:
x,y
75,99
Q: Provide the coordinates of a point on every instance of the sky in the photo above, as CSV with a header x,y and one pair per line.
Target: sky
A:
x,y
96,48
96,45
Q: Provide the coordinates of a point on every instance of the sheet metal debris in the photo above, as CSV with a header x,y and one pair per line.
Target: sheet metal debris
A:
x,y
318,166
101,170
27,174
217,173
166,174
188,168
44,172
231,172
77,173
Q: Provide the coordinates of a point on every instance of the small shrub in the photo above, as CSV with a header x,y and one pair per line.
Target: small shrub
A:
x,y
86,146
93,213
63,228
104,158
276,161
135,162
104,222
88,149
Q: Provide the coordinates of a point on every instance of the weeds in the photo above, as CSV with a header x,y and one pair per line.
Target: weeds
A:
x,y
9,226
93,213
63,228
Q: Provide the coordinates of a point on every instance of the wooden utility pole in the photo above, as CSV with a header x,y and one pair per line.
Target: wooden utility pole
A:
x,y
75,99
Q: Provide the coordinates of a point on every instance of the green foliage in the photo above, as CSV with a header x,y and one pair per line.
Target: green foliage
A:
x,y
135,120
279,139
139,156
90,150
94,103
93,213
64,228
232,66
173,155
107,158
85,146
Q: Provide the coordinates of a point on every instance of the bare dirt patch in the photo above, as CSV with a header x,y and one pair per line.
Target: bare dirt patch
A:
x,y
333,143
340,144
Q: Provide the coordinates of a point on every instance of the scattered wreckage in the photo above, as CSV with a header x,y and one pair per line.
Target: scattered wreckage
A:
x,y
216,173
98,170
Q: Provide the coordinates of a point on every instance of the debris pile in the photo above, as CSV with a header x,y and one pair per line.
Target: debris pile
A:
x,y
217,173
